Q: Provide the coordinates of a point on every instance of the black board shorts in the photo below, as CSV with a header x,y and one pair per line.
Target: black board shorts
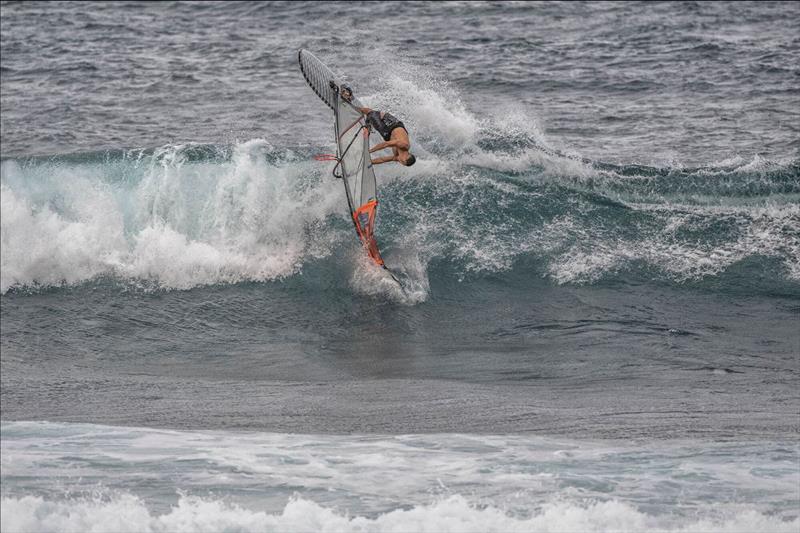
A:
x,y
384,125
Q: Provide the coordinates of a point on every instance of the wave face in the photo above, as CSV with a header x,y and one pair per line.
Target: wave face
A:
x,y
272,482
193,215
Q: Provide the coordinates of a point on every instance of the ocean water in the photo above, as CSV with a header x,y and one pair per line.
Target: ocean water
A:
x,y
599,249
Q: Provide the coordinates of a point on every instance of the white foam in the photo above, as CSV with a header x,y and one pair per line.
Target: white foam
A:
x,y
40,246
760,230
127,513
182,225
379,482
410,288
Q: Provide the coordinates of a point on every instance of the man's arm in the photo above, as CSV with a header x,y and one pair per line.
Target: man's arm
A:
x,y
381,146
394,143
365,110
384,159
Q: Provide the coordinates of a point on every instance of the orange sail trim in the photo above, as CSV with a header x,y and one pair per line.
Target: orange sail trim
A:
x,y
364,218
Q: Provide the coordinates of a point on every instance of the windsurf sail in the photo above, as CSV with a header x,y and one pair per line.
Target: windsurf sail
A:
x,y
354,164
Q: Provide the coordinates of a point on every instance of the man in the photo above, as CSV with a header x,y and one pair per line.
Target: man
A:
x,y
393,131
394,134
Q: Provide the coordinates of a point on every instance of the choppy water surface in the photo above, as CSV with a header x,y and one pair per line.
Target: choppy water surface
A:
x,y
280,482
599,247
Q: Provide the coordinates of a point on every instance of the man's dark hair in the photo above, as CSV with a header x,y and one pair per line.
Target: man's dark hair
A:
x,y
411,160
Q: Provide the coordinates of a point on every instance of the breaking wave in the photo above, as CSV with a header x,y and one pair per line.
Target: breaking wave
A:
x,y
487,196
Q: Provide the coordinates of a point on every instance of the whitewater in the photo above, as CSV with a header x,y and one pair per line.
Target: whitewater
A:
x,y
468,483
193,215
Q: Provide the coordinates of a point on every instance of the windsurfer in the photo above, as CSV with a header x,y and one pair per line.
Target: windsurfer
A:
x,y
395,136
393,131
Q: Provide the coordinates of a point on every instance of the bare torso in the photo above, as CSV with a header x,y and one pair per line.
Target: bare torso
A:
x,y
403,142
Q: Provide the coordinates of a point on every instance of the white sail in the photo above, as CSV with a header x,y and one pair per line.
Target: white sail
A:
x,y
352,142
